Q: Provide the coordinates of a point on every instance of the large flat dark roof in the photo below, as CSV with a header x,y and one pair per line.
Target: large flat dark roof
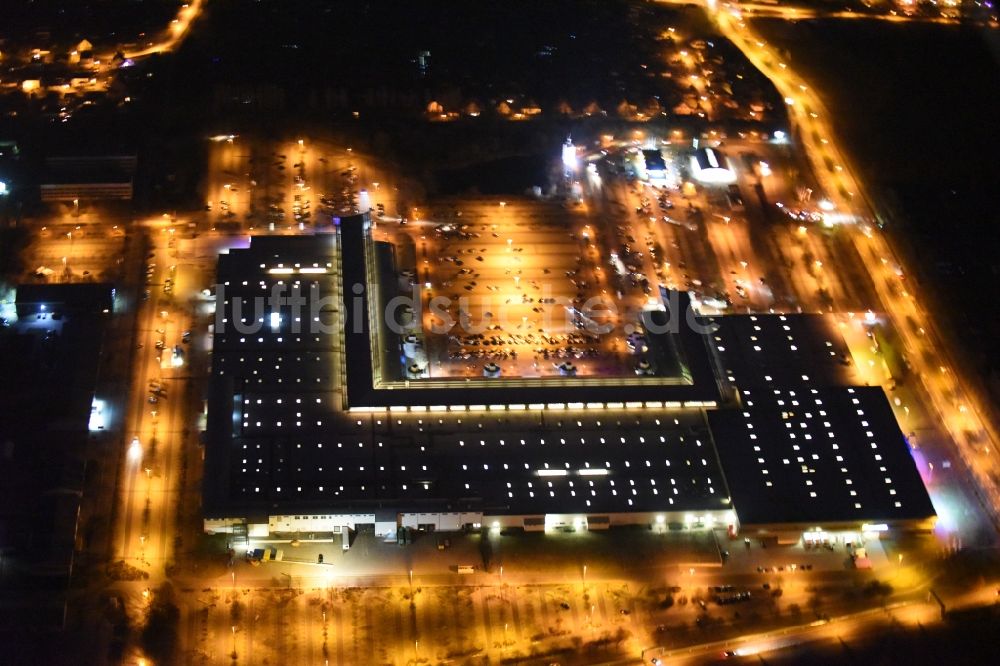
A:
x,y
506,463
768,350
93,298
50,369
252,356
818,455
279,436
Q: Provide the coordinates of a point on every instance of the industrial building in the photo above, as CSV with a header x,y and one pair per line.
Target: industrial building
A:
x,y
310,429
710,166
90,178
50,355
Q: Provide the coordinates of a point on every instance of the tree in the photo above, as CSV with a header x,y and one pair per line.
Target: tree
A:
x,y
815,603
13,242
486,549
159,634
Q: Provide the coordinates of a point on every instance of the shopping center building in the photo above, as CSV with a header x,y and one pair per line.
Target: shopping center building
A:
x,y
321,420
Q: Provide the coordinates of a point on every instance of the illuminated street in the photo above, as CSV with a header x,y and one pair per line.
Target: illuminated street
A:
x,y
175,32
955,410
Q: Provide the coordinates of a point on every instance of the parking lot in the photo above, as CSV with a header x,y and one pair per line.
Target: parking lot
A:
x,y
762,240
618,592
519,284
288,185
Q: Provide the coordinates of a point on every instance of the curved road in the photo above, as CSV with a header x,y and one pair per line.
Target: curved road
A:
x,y
174,33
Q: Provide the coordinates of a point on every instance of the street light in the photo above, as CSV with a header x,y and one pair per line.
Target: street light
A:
x,y
135,450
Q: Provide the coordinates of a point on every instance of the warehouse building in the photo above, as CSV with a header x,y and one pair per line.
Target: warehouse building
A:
x,y
763,432
711,167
